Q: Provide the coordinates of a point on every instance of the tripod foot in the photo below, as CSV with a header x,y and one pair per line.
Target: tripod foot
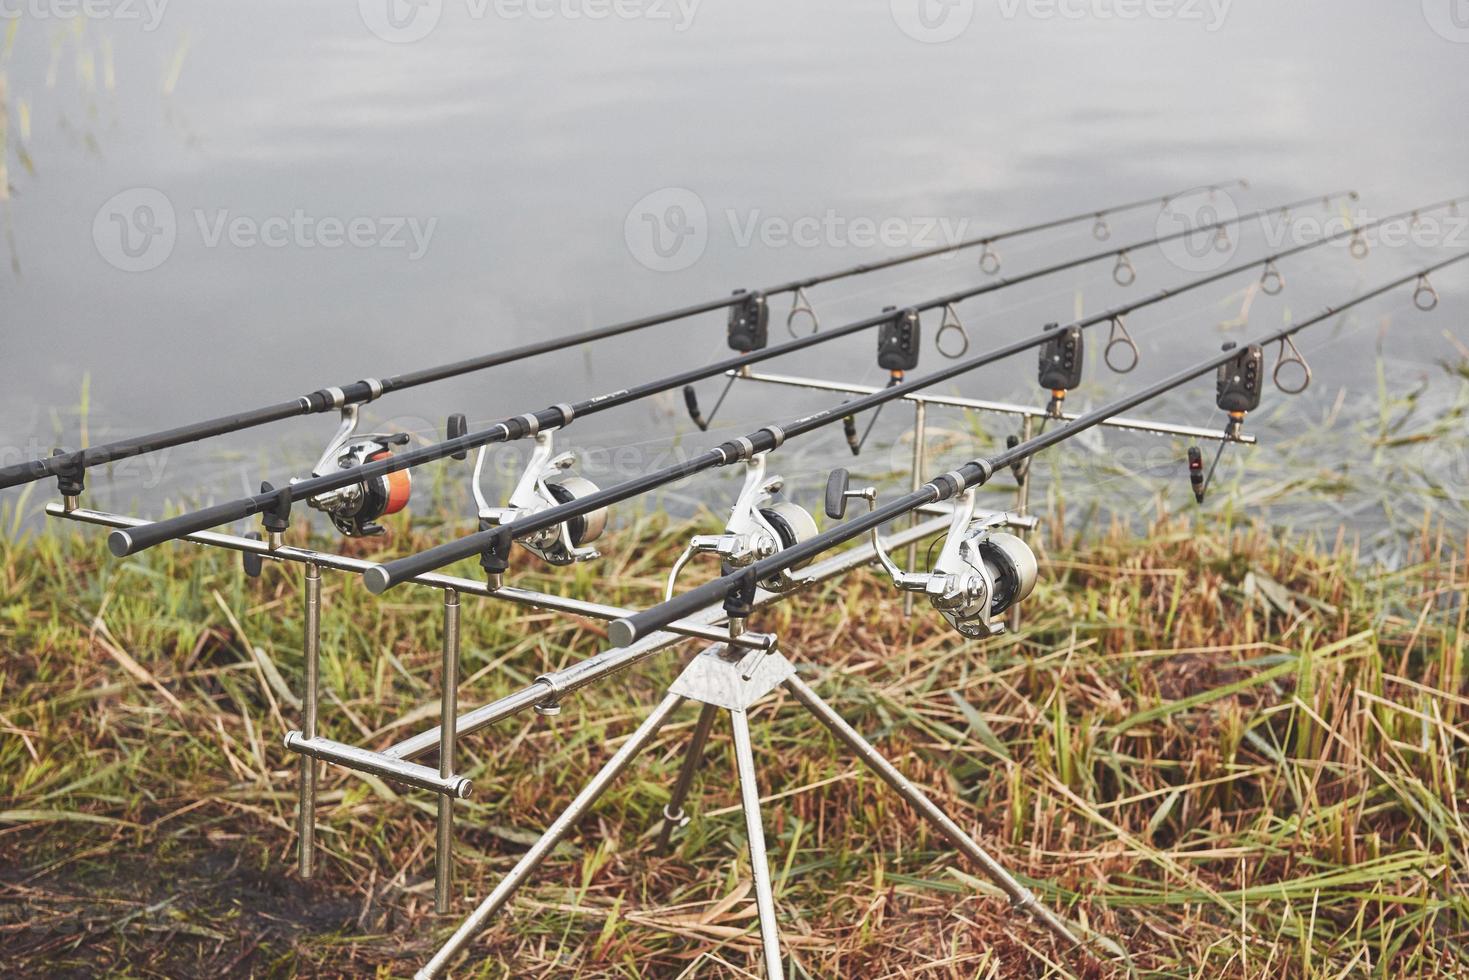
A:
x,y
562,825
1019,895
673,813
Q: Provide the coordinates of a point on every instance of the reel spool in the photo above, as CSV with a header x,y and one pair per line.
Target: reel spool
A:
x,y
757,528
980,574
538,489
354,509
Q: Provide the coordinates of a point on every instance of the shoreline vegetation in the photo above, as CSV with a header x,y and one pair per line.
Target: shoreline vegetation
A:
x,y
1232,751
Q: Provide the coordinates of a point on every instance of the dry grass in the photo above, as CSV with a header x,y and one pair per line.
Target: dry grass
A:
x,y
1232,755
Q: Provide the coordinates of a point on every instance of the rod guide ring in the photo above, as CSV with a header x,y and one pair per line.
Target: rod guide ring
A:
x,y
1289,354
1117,337
1425,297
1123,273
801,306
950,323
989,260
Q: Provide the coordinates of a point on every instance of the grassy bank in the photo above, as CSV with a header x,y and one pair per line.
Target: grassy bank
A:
x,y
1232,755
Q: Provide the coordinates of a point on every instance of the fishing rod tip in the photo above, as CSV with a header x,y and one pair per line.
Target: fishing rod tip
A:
x,y
378,580
621,633
120,543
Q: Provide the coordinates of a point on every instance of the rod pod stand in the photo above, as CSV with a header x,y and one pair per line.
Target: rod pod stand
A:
x,y
312,748
719,680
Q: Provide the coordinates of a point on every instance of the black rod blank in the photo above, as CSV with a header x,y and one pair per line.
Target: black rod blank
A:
x,y
974,473
384,576
132,540
73,464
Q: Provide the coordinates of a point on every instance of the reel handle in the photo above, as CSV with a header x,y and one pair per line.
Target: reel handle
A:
x,y
456,427
836,493
691,401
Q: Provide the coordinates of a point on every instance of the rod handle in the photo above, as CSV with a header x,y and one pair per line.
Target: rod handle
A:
x,y
129,541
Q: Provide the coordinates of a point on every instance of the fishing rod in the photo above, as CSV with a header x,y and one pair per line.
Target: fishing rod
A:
x,y
69,467
359,471
995,580
556,522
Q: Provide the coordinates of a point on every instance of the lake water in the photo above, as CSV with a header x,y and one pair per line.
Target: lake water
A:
x,y
215,206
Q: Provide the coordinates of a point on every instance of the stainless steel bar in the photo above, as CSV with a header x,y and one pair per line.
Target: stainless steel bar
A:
x,y
1005,408
609,662
541,848
920,434
448,712
311,650
755,834
1022,507
433,580
365,760
673,812
845,733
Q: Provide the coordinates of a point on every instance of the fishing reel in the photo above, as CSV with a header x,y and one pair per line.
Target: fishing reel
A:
x,y
545,483
757,528
980,573
355,508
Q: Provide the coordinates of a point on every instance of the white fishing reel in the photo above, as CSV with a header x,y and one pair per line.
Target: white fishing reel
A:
x,y
757,528
355,508
980,572
545,483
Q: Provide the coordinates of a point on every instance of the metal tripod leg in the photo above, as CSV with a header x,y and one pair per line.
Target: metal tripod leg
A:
x,y
755,832
311,646
548,841
448,712
673,813
1018,893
